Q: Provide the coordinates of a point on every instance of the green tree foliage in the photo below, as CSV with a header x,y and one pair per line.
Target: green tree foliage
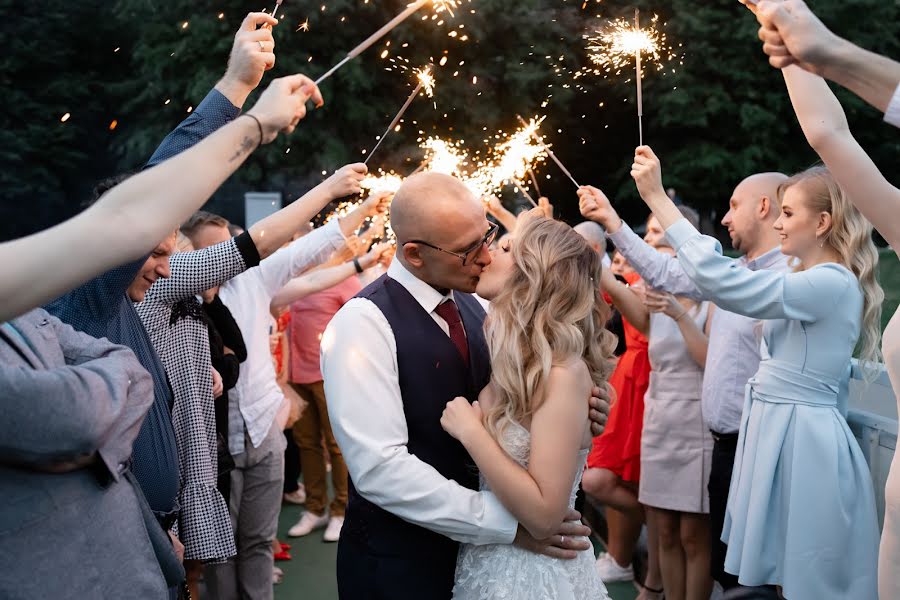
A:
x,y
722,115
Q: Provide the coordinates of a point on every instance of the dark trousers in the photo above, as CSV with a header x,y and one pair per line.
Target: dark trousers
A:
x,y
363,575
291,463
721,468
719,481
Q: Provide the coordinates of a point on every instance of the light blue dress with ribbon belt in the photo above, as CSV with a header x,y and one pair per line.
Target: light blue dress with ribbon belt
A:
x,y
801,508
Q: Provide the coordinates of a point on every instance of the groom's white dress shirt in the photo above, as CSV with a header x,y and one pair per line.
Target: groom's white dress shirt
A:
x,y
359,365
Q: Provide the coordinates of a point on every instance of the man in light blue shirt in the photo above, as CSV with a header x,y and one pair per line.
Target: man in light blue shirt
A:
x,y
733,355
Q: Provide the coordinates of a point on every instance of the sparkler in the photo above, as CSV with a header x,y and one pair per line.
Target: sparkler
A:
x,y
615,47
277,6
553,157
426,82
440,6
522,191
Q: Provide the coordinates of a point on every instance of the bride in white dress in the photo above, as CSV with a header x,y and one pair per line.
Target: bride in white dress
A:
x,y
529,432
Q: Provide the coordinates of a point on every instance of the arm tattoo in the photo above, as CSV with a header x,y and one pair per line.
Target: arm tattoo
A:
x,y
247,146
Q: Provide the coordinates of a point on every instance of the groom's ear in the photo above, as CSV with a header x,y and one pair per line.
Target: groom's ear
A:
x,y
412,252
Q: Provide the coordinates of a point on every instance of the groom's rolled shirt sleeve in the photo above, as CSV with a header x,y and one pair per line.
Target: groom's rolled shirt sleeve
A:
x,y
359,365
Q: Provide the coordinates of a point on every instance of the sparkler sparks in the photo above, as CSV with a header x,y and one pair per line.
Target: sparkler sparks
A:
x,y
426,80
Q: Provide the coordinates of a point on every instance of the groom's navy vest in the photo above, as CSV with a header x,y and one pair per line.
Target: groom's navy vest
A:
x,y
432,373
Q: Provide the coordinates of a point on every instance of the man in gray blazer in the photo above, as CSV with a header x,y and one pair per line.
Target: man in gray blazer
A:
x,y
73,524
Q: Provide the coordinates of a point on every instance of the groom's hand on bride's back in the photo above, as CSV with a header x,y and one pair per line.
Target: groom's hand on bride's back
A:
x,y
599,409
569,540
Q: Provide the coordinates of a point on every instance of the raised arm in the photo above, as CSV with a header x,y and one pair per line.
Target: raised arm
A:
x,y
659,270
539,495
247,63
363,392
134,216
825,127
626,299
794,35
274,231
805,296
322,279
495,208
315,248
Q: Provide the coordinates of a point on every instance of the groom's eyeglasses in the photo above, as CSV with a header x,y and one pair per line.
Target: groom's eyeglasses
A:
x,y
469,254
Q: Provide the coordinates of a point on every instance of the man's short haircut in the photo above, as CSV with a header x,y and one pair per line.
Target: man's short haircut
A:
x,y
691,215
200,219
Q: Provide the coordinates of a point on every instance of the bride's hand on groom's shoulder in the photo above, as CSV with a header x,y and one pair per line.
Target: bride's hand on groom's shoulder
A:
x,y
569,540
461,419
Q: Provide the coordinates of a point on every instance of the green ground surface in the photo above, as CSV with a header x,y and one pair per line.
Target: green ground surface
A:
x,y
310,575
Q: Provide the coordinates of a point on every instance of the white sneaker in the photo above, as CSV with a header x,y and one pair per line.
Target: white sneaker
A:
x,y
277,575
298,496
333,531
307,523
611,571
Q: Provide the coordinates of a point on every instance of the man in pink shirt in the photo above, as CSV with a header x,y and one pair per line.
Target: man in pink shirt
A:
x,y
309,317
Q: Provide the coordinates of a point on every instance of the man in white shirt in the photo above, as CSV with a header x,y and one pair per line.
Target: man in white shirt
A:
x,y
255,436
392,358
733,355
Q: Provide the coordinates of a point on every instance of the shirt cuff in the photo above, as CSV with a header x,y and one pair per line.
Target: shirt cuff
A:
x,y
504,524
680,232
247,247
217,108
892,114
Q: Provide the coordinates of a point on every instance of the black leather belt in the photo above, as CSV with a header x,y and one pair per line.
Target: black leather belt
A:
x,y
724,437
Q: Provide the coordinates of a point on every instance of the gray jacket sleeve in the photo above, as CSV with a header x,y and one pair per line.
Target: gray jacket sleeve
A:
x,y
91,402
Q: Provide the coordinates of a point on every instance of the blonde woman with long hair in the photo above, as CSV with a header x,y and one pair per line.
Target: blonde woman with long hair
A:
x,y
801,508
528,433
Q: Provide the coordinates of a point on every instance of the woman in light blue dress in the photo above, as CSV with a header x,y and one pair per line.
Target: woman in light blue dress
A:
x,y
801,508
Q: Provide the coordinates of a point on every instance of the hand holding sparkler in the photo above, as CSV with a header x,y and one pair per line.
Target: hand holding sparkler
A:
x,y
281,107
346,180
377,204
252,54
793,34
647,174
596,207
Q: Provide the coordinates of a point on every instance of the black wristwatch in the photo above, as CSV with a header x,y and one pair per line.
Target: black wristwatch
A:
x,y
356,264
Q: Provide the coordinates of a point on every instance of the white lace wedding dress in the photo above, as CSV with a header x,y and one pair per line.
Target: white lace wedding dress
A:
x,y
502,571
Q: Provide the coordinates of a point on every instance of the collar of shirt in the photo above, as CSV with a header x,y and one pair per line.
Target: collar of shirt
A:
x,y
765,261
428,297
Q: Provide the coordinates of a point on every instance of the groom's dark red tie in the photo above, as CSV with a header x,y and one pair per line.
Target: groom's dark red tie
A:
x,y
448,312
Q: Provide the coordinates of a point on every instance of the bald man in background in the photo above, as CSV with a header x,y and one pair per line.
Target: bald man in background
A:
x,y
391,359
733,355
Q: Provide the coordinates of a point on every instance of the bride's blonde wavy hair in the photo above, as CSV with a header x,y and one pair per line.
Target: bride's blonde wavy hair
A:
x,y
550,312
851,237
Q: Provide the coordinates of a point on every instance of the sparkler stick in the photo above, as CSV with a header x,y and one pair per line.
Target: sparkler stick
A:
x,y
537,188
524,193
412,8
277,6
640,91
425,81
550,153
